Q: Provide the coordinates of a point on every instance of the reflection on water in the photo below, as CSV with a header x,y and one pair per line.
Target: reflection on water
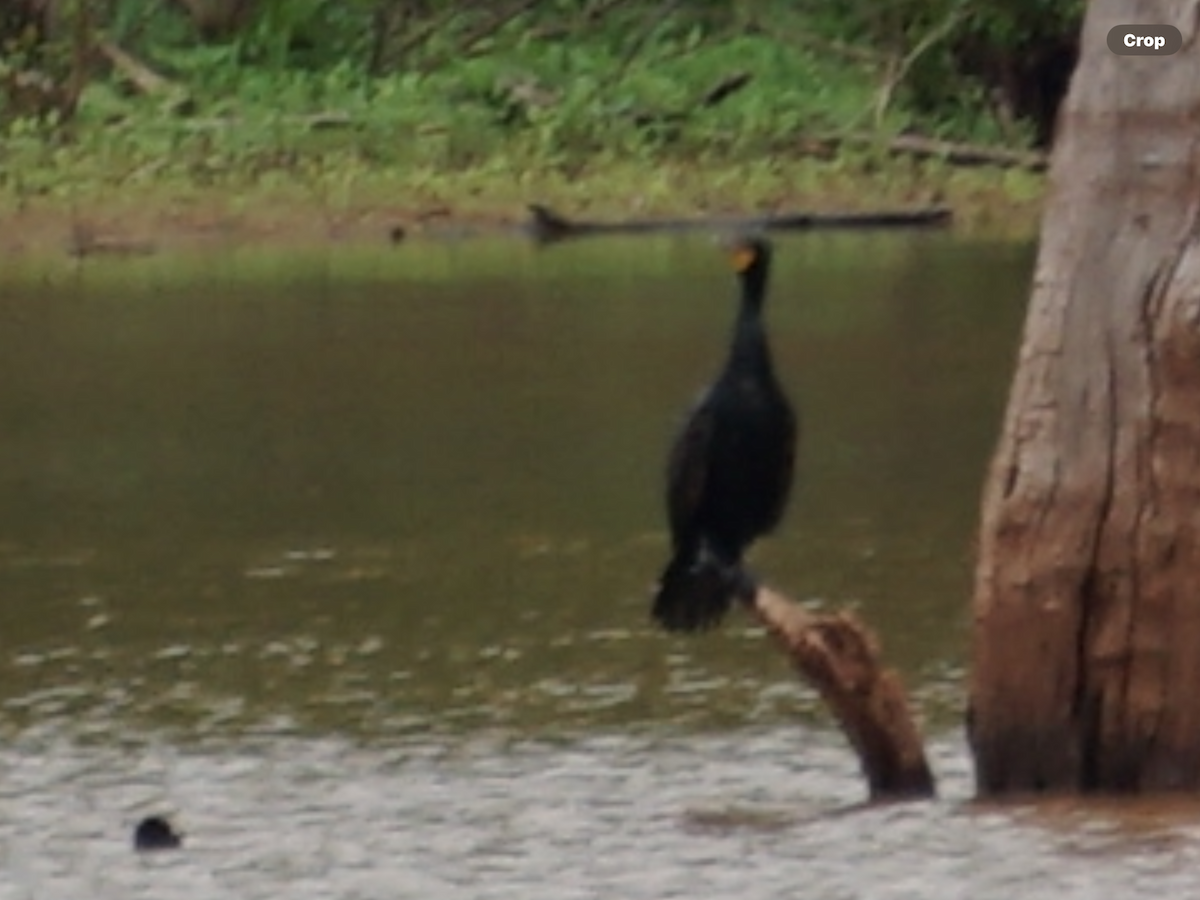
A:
x,y
389,493
344,561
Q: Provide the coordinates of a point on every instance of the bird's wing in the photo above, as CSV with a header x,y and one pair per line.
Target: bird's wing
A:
x,y
786,466
687,471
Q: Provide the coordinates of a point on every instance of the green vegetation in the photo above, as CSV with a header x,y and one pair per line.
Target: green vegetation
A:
x,y
631,103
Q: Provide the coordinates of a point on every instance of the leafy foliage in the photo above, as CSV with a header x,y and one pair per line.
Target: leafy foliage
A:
x,y
213,89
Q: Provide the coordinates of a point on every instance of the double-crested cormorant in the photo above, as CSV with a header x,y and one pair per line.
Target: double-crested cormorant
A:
x,y
730,469
156,833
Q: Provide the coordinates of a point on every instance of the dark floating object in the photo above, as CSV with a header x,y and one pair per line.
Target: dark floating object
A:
x,y
547,226
730,470
156,833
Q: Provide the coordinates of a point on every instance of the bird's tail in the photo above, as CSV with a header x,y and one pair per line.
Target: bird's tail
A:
x,y
696,590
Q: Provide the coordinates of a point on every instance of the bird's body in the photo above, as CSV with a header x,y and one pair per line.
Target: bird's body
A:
x,y
730,469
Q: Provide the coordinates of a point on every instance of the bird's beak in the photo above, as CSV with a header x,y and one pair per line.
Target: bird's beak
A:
x,y
741,254
742,257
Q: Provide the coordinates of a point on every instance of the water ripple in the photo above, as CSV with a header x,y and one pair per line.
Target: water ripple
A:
x,y
753,814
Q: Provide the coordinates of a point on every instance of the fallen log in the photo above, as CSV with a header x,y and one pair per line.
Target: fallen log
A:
x,y
547,226
919,147
839,657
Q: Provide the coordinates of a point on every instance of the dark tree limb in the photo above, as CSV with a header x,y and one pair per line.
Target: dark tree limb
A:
x,y
547,226
840,658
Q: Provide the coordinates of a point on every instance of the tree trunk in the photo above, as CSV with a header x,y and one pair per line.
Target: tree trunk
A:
x,y
1086,670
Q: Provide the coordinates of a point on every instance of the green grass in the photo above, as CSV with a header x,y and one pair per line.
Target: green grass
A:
x,y
607,120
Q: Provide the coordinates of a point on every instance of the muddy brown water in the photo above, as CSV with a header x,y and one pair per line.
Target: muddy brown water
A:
x,y
341,560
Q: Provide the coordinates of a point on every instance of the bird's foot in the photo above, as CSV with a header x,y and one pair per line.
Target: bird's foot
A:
x,y
742,583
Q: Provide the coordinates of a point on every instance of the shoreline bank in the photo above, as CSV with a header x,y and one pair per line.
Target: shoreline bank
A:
x,y
138,218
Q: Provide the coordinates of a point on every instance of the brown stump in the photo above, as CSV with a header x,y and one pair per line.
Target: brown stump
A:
x,y
840,658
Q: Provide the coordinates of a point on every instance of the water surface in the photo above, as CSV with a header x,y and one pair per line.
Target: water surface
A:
x,y
342,559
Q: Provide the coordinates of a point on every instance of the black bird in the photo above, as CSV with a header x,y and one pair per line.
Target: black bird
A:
x,y
156,833
730,470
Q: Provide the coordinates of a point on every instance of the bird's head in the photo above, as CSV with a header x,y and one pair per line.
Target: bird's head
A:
x,y
747,252
751,259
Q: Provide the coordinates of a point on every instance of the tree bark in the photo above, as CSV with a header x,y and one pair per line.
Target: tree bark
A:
x,y
1086,669
840,658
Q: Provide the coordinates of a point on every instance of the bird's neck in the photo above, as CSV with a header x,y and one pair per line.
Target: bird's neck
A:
x,y
749,350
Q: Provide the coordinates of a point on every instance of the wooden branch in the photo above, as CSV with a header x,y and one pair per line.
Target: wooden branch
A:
x,y
969,154
547,226
932,148
840,658
966,154
139,75
898,69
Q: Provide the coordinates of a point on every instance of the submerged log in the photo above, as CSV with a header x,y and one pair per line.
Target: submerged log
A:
x,y
546,226
839,657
